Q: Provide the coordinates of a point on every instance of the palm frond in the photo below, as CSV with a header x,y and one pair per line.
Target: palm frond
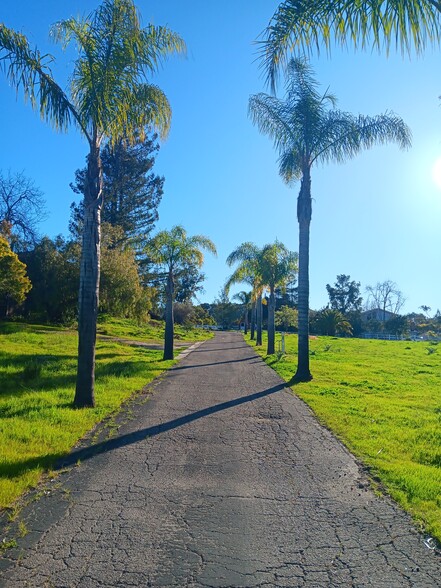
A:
x,y
135,110
157,43
303,25
29,71
202,242
174,249
291,165
240,275
344,136
243,297
277,265
272,118
245,252
109,85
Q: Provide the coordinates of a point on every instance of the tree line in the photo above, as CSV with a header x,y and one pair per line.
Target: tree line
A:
x,y
111,102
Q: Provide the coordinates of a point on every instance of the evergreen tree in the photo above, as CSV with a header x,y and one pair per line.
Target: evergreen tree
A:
x,y
344,296
132,192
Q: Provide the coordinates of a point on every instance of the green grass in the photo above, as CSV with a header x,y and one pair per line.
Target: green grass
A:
x,y
38,424
152,332
383,400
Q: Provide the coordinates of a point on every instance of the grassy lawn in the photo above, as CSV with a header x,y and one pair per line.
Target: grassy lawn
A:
x,y
37,382
383,400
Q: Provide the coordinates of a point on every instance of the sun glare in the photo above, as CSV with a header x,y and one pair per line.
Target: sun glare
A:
x,y
436,172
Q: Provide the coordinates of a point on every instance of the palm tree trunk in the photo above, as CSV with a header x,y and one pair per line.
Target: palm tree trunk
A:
x,y
245,330
169,319
271,324
89,282
304,213
253,322
259,320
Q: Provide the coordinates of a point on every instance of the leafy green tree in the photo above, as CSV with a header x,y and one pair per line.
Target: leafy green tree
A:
x,y
398,325
307,129
355,319
121,292
287,296
22,207
226,314
202,316
110,99
344,296
286,317
301,25
131,191
14,283
54,269
171,251
189,281
331,322
183,313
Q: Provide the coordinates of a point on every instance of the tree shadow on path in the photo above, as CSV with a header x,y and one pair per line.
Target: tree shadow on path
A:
x,y
252,359
136,436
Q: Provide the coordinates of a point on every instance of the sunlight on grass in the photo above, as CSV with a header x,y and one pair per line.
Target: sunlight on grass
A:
x,y
38,424
152,332
383,400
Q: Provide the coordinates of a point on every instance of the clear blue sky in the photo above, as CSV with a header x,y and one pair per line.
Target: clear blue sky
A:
x,y
376,217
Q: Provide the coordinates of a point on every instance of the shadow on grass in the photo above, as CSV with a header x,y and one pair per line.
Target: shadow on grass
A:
x,y
14,469
124,369
11,328
9,412
34,373
136,436
42,373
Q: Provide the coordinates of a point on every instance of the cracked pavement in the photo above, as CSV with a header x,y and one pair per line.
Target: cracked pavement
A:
x,y
222,479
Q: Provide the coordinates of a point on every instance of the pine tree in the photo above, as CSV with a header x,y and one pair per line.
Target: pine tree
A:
x,y
132,192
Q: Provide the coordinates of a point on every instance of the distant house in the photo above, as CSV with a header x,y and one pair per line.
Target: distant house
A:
x,y
377,314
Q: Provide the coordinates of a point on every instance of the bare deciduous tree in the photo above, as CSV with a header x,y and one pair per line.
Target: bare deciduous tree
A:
x,y
385,296
22,207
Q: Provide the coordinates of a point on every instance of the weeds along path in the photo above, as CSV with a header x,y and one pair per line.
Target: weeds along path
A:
x,y
221,479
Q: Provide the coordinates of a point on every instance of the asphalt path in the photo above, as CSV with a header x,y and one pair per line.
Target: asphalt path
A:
x,y
222,478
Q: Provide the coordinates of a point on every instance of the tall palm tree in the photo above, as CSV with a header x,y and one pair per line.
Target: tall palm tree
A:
x,y
245,298
174,251
247,256
307,129
110,99
300,25
278,267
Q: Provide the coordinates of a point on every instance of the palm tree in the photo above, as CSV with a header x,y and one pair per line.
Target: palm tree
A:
x,y
307,129
245,298
331,322
247,256
278,267
302,24
110,99
173,251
